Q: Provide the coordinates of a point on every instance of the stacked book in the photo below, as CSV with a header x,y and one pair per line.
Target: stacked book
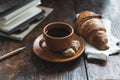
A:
x,y
17,15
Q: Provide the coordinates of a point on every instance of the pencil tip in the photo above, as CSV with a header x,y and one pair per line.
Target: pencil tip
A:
x,y
23,47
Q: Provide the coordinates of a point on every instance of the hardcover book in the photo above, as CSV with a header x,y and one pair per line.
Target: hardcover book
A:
x,y
20,36
28,14
18,9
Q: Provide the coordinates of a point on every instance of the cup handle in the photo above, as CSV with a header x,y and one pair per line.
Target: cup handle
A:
x,y
41,42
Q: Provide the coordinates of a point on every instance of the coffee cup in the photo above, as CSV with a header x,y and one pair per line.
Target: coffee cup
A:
x,y
57,36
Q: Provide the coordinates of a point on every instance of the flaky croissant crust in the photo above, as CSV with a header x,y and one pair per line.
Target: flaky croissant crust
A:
x,y
91,28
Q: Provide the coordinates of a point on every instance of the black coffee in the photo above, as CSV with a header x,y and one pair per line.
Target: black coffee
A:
x,y
58,32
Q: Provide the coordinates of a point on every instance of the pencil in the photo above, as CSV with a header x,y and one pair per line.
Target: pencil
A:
x,y
6,56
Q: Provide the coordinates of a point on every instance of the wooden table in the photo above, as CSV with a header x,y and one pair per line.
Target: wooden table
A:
x,y
27,66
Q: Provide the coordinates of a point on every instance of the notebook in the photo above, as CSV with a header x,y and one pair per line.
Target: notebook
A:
x,y
12,16
23,34
28,14
9,5
10,13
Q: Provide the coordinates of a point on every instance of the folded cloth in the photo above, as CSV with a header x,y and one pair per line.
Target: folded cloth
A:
x,y
93,53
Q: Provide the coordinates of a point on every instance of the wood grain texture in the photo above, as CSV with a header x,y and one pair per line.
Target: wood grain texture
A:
x,y
3,1
98,70
27,66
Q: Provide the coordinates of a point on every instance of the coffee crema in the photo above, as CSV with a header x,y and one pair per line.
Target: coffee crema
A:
x,y
58,32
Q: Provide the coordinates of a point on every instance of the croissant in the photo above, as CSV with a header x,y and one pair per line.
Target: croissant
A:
x,y
89,25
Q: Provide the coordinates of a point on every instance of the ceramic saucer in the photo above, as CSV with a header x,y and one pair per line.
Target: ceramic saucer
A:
x,y
47,55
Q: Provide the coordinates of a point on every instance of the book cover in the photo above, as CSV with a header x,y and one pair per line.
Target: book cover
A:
x,y
9,4
21,8
6,22
27,15
23,34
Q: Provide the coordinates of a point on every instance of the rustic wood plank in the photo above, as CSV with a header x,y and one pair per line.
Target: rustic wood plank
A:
x,y
3,1
98,70
92,5
27,66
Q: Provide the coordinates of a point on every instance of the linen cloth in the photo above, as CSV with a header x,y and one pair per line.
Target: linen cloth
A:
x,y
93,53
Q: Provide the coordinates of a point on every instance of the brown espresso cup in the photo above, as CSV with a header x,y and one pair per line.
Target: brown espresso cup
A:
x,y
57,36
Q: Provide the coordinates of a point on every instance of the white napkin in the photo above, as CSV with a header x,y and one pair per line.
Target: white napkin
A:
x,y
93,53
